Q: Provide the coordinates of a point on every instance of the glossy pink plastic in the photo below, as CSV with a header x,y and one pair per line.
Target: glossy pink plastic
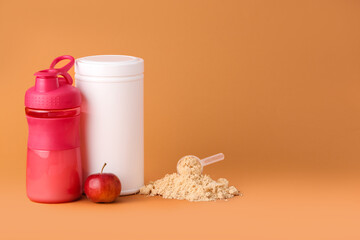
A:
x,y
53,172
51,91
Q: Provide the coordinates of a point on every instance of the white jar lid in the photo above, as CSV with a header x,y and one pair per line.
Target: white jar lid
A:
x,y
109,66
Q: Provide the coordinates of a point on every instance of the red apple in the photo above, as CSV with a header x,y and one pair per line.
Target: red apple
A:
x,y
102,187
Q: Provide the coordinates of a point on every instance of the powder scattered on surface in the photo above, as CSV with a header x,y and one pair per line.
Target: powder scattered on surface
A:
x,y
190,184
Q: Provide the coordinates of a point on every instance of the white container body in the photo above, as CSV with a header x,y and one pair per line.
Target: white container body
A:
x,y
112,123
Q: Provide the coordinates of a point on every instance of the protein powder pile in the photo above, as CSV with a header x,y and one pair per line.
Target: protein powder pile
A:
x,y
190,184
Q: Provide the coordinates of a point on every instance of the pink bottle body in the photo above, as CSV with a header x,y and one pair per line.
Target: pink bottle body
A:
x,y
53,172
52,106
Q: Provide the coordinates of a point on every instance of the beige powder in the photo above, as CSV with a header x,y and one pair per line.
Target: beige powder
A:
x,y
189,165
190,184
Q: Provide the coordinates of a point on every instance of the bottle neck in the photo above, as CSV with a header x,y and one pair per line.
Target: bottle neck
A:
x,y
52,113
46,84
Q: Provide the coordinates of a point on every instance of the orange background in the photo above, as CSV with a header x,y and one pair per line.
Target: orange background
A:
x,y
272,84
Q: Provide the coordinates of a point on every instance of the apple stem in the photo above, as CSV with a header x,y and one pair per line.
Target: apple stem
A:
x,y
103,168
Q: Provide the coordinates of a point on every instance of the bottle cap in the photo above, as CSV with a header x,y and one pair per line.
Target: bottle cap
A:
x,y
51,91
109,66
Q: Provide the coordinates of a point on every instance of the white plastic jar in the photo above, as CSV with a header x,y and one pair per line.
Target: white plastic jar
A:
x,y
112,119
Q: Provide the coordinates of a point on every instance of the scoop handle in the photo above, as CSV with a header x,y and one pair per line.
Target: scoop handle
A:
x,y
212,159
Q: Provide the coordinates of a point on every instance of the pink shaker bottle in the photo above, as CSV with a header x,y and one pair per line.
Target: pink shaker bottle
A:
x,y
53,172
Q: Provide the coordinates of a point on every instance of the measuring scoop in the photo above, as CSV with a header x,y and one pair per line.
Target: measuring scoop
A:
x,y
203,162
